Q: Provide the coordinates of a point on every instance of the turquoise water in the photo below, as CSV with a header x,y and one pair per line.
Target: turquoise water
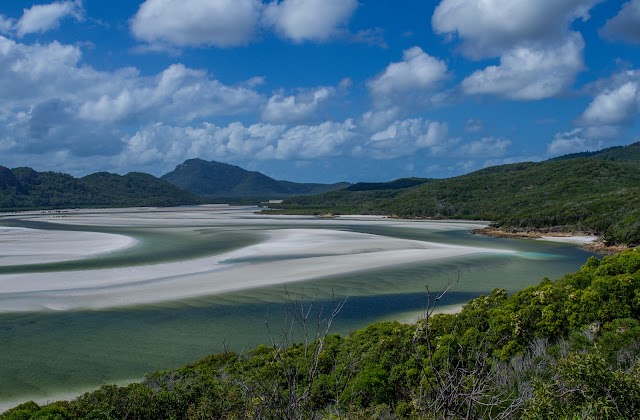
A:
x,y
47,354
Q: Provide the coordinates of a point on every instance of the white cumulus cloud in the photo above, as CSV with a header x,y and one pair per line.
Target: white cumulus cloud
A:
x,y
309,142
617,104
418,73
582,140
293,108
488,28
378,119
486,147
30,73
405,137
42,18
177,93
159,146
6,24
309,20
625,25
220,23
50,99
528,73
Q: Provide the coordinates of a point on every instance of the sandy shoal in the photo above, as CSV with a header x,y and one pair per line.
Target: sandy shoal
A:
x,y
34,246
287,255
223,215
579,240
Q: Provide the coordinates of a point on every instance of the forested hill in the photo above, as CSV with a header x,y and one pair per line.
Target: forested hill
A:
x,y
564,349
24,188
221,180
599,194
396,184
630,153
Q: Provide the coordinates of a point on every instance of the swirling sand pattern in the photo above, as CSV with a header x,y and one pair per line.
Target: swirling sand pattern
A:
x,y
214,275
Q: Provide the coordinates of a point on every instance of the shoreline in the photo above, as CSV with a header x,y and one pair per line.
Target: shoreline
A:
x,y
587,240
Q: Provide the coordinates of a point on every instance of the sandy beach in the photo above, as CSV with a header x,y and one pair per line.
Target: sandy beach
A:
x,y
33,246
578,240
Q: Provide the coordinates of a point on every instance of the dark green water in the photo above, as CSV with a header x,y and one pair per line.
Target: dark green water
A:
x,y
45,354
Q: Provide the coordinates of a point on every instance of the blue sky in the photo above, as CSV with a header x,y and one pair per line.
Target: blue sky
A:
x,y
315,90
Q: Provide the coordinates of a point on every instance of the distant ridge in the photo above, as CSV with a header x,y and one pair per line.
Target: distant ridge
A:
x,y
25,188
396,184
220,180
630,153
596,192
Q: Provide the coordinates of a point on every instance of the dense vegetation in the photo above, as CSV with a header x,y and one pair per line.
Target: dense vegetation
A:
x,y
563,349
396,184
215,180
339,202
629,153
598,194
24,188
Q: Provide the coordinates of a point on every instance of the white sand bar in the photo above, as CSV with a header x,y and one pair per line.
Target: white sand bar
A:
x,y
34,246
290,254
578,240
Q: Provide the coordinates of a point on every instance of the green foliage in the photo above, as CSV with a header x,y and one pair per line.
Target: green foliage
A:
x,y
564,349
585,386
397,184
339,202
24,188
630,153
221,181
598,194
31,410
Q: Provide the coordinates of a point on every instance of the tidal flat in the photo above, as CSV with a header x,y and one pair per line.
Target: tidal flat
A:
x,y
111,294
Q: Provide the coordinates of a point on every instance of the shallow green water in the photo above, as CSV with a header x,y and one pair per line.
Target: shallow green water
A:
x,y
45,354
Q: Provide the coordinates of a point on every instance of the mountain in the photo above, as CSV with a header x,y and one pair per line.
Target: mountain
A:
x,y
599,193
220,180
24,188
390,185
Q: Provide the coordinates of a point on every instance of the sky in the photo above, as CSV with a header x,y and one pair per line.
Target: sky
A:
x,y
315,90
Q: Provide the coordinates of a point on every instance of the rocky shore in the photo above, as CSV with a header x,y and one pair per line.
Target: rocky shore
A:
x,y
587,240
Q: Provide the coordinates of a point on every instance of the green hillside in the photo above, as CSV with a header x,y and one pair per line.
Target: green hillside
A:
x,y
391,185
216,180
24,188
564,349
599,194
630,153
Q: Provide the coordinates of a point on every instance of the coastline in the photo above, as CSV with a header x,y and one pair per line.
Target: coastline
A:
x,y
316,247
587,240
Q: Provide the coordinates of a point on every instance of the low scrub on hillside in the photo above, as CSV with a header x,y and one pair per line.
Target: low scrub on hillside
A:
x,y
585,194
